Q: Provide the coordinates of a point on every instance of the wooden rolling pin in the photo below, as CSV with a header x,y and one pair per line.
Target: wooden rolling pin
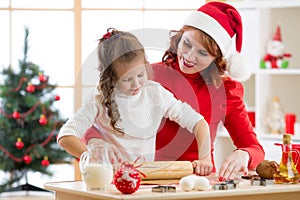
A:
x,y
163,170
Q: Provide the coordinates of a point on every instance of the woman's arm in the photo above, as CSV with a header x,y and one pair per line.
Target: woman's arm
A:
x,y
249,151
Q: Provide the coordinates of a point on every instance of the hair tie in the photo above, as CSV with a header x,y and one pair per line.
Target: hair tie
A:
x,y
110,32
106,35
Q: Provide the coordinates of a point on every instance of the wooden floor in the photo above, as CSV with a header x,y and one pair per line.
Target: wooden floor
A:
x,y
23,195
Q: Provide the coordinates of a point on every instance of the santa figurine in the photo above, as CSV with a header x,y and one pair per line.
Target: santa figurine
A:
x,y
275,57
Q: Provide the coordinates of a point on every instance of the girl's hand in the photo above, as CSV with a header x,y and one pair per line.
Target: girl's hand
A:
x,y
203,167
114,154
233,164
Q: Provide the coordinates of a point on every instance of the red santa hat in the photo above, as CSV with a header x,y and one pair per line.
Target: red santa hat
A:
x,y
277,35
223,23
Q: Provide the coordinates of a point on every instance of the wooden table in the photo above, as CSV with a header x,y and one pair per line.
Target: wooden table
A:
x,y
75,190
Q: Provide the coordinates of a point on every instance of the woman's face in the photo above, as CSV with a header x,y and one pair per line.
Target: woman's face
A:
x,y
192,56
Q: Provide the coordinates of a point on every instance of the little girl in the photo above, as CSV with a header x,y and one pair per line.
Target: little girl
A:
x,y
127,109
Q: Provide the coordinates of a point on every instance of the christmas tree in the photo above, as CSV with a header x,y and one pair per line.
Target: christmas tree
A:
x,y
29,123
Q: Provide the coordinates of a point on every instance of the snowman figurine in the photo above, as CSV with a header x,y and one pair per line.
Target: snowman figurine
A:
x,y
274,58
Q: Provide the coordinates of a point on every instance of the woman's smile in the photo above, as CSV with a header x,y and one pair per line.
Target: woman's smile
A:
x,y
187,63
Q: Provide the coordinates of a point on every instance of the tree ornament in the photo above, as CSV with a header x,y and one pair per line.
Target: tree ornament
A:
x,y
45,162
127,179
15,115
30,88
27,159
42,78
19,144
43,120
57,98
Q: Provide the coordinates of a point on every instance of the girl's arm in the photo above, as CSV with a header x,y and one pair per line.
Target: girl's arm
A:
x,y
203,166
183,114
70,134
72,145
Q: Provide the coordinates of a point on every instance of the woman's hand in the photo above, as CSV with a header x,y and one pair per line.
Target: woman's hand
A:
x,y
203,167
233,164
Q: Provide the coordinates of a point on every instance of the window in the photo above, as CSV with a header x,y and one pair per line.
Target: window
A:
x,y
63,36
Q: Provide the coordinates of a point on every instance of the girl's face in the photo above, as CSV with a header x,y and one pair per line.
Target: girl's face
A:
x,y
131,76
192,56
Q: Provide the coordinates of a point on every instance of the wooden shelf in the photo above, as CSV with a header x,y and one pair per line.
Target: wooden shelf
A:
x,y
279,71
276,137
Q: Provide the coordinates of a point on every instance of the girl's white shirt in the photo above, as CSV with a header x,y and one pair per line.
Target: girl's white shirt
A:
x,y
140,118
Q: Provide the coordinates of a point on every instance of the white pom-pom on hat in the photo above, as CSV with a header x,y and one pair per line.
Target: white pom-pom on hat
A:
x,y
238,67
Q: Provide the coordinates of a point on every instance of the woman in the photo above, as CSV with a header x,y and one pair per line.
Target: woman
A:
x,y
201,67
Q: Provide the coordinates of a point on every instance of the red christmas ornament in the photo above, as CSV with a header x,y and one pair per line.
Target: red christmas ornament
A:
x,y
45,162
42,78
57,98
127,179
15,115
43,120
27,159
19,144
30,88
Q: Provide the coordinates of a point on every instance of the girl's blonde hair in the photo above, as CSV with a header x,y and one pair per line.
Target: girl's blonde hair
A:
x,y
114,47
213,73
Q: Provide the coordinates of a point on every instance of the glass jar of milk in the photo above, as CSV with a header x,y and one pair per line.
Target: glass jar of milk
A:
x,y
96,168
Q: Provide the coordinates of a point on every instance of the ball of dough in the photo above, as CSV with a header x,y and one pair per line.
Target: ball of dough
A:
x,y
187,183
201,183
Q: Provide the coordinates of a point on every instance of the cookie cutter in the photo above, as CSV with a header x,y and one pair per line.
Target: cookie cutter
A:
x,y
232,184
258,181
227,185
220,186
261,182
163,189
